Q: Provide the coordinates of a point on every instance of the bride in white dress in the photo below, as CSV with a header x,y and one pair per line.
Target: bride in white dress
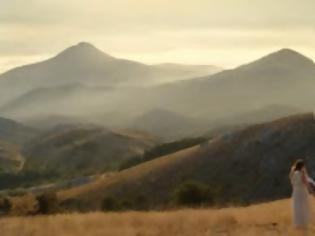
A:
x,y
300,197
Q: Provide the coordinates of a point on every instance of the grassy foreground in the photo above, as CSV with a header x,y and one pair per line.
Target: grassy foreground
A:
x,y
264,219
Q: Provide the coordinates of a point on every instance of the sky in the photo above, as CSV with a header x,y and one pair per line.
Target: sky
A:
x,y
226,33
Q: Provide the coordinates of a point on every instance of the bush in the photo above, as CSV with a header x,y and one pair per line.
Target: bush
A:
x,y
192,193
23,206
5,205
110,204
113,204
71,205
47,203
126,205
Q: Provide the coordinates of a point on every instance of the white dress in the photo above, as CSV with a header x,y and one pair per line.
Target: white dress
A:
x,y
300,201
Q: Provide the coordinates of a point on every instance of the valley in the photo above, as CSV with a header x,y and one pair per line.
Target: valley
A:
x,y
113,135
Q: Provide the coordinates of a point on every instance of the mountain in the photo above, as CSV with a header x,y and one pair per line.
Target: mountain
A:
x,y
15,132
285,77
40,102
81,149
284,59
168,125
240,121
51,121
268,113
183,71
11,159
247,165
84,64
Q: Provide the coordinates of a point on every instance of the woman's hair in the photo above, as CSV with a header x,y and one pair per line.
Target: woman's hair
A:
x,y
298,165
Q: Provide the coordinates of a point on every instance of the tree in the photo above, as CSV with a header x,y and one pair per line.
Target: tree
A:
x,y
110,204
5,205
47,203
192,193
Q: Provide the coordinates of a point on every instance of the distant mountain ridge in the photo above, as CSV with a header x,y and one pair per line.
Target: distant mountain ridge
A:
x,y
64,95
284,78
169,125
285,57
83,63
14,132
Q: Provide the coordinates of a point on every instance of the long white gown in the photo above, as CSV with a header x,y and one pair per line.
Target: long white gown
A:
x,y
300,200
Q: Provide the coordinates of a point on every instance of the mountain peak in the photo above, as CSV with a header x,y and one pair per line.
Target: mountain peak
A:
x,y
285,57
83,50
85,44
288,52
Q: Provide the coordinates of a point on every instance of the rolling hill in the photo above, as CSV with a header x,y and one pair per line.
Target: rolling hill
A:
x,y
169,125
83,149
11,159
15,132
268,113
247,165
39,103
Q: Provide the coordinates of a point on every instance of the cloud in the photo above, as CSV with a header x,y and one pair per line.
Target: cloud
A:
x,y
150,29
162,14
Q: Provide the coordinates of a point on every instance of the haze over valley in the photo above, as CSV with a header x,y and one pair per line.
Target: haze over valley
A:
x,y
86,85
147,108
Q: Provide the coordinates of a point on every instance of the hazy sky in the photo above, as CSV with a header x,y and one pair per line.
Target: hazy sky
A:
x,y
222,32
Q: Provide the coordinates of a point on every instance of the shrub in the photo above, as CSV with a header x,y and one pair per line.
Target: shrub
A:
x,y
126,204
141,202
22,206
47,203
71,205
110,204
5,205
192,193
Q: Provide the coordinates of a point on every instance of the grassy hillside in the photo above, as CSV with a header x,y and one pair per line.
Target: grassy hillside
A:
x,y
244,166
271,219
15,132
11,160
84,149
162,150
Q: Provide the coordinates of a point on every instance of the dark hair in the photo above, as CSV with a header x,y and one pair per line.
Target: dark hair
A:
x,y
298,165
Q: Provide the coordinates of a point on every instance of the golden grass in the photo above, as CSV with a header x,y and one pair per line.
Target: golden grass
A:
x,y
264,219
93,193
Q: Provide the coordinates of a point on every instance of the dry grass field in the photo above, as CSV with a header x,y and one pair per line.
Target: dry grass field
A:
x,y
263,219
